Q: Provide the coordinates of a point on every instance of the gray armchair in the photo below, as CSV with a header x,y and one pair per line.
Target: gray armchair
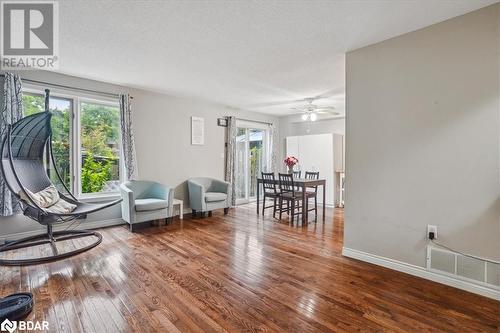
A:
x,y
207,194
145,201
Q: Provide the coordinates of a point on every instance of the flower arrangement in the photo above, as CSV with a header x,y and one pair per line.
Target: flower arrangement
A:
x,y
290,162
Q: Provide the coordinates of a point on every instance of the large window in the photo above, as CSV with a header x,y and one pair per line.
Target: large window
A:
x,y
100,147
85,141
61,109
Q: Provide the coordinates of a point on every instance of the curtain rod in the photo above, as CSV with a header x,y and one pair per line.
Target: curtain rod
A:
x,y
254,121
69,87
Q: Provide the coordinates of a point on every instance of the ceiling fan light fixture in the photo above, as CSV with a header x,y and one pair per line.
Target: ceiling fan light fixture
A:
x,y
305,116
313,116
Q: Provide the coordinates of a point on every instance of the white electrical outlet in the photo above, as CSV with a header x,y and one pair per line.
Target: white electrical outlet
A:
x,y
434,229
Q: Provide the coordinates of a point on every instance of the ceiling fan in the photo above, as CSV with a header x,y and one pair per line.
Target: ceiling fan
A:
x,y
337,94
310,111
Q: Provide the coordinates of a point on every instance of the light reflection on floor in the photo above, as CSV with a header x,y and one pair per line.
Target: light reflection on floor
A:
x,y
307,304
247,249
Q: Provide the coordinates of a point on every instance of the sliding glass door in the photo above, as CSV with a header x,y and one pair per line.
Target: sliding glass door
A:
x,y
241,178
251,158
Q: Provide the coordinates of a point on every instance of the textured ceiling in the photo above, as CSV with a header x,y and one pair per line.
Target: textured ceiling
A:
x,y
252,55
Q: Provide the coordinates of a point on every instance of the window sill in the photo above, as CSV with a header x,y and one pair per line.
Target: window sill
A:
x,y
99,197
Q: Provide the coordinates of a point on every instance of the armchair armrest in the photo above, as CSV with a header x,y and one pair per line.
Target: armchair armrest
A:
x,y
128,203
170,199
196,195
220,186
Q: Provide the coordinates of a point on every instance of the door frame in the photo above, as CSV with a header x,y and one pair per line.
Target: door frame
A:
x,y
248,125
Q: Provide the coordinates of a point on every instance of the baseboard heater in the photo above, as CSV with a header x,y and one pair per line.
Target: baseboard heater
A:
x,y
443,261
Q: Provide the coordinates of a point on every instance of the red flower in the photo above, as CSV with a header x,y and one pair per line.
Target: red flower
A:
x,y
290,161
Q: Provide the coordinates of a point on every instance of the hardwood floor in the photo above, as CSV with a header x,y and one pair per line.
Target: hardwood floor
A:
x,y
239,273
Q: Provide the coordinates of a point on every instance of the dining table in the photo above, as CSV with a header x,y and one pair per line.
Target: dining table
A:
x,y
302,184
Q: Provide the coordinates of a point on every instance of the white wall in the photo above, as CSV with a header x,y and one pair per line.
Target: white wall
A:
x,y
293,126
163,140
306,148
423,130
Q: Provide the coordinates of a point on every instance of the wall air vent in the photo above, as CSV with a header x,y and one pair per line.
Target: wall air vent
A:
x,y
472,270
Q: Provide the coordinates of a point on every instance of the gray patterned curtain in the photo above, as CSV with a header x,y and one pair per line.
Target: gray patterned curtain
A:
x,y
273,148
128,144
230,157
12,111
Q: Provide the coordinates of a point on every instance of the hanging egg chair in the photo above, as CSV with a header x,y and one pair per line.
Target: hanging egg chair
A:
x,y
26,153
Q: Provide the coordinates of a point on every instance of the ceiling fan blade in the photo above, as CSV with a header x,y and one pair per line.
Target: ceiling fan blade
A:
x,y
325,108
277,103
330,93
333,113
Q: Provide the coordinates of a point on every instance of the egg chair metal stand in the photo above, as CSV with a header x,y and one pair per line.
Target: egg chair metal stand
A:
x,y
26,158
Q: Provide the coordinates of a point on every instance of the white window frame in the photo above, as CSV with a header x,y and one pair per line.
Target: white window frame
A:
x,y
75,138
248,125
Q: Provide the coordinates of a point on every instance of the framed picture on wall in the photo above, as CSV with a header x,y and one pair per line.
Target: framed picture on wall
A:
x,y
222,122
197,131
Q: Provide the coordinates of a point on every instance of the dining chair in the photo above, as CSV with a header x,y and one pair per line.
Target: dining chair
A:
x,y
270,191
313,176
293,198
297,175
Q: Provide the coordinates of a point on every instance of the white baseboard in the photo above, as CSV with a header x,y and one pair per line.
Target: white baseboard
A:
x,y
82,225
421,272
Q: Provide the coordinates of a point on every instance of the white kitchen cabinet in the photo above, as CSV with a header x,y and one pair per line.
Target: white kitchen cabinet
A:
x,y
315,153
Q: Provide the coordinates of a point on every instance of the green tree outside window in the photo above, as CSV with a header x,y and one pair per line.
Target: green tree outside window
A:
x,y
99,135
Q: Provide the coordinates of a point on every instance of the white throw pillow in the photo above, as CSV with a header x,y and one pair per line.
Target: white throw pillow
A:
x,y
45,198
61,207
49,199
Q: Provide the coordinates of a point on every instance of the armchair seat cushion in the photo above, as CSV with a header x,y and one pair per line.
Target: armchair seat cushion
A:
x,y
215,196
144,205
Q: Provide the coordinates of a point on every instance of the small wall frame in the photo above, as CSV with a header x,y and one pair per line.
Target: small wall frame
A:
x,y
222,122
197,131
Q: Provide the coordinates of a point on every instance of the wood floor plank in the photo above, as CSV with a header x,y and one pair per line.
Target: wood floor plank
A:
x,y
237,273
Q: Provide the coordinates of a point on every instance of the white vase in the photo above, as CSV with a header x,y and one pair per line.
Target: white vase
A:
x,y
290,169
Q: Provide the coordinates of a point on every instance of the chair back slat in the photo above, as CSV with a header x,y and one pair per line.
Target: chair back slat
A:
x,y
297,175
286,183
269,182
312,176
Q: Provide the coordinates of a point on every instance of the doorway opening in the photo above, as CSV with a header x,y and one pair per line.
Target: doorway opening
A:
x,y
252,157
